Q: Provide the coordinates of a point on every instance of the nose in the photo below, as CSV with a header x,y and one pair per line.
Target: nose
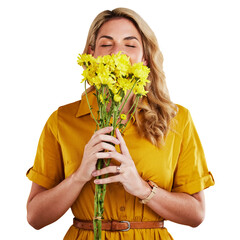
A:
x,y
117,48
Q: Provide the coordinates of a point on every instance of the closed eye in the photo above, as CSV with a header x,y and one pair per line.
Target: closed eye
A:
x,y
132,46
106,45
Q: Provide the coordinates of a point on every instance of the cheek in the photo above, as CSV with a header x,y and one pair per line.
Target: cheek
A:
x,y
101,51
98,52
135,58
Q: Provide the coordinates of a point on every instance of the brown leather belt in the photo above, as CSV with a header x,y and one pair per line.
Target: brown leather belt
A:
x,y
117,225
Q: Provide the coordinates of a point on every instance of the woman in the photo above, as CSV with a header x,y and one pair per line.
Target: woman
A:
x,y
160,145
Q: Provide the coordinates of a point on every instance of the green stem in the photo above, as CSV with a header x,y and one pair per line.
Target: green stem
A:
x,y
90,108
126,98
100,190
131,114
110,112
97,223
104,93
115,116
135,102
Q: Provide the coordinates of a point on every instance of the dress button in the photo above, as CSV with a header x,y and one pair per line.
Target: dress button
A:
x,y
122,208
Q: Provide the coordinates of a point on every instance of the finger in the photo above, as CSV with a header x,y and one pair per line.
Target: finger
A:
x,y
103,146
123,145
106,170
111,179
117,156
101,155
96,138
104,138
103,131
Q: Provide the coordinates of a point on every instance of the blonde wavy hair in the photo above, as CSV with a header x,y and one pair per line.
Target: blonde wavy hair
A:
x,y
155,111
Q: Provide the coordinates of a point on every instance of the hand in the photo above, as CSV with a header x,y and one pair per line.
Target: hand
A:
x,y
94,150
127,175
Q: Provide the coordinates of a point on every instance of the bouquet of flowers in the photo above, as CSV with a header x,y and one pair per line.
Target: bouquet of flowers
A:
x,y
114,79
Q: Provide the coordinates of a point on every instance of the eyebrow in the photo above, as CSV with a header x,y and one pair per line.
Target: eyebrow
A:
x,y
126,38
130,38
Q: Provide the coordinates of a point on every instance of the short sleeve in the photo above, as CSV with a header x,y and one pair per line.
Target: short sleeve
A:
x,y
47,170
191,173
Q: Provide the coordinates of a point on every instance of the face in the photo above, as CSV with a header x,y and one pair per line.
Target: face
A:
x,y
119,35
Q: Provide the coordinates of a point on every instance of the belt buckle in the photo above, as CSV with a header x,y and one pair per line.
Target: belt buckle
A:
x,y
128,228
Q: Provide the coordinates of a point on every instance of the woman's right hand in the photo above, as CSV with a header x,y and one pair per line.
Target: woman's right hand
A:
x,y
46,206
94,150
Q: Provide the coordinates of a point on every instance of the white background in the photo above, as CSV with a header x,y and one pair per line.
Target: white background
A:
x,y
40,41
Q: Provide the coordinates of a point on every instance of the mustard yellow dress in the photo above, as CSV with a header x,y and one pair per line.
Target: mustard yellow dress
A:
x,y
179,166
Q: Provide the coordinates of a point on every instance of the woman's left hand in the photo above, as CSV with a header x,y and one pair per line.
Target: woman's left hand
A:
x,y
126,174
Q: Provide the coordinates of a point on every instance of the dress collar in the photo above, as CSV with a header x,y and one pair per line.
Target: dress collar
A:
x,y
83,107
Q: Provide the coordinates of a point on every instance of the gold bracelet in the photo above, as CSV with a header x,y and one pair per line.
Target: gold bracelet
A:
x,y
153,186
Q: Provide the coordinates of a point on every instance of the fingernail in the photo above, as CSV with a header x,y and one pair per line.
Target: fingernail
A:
x,y
94,173
96,181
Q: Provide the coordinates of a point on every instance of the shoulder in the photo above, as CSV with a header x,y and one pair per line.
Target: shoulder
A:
x,y
69,109
183,113
63,112
181,119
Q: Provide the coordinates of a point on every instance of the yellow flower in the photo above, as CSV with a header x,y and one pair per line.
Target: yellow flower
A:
x,y
88,75
117,98
116,72
139,90
140,71
123,116
113,88
108,61
122,64
86,60
124,83
104,75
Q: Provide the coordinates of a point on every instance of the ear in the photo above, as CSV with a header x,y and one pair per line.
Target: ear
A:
x,y
145,62
90,51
